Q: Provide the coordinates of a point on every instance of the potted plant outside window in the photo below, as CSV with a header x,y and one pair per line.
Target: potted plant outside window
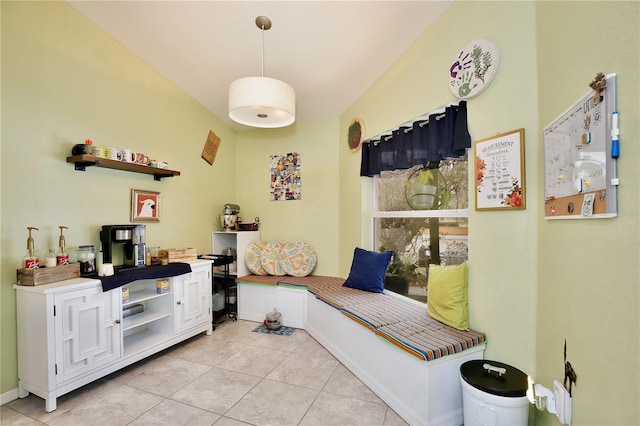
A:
x,y
423,193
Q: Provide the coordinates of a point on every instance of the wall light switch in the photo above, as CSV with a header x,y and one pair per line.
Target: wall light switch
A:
x,y
563,403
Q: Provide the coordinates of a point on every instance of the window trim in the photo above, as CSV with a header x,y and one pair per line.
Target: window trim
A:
x,y
422,213
376,214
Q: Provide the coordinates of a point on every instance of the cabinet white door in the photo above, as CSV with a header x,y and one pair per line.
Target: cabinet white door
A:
x,y
193,298
87,328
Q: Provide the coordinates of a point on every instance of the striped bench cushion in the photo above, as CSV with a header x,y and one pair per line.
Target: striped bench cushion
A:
x,y
378,313
344,297
314,283
429,339
406,325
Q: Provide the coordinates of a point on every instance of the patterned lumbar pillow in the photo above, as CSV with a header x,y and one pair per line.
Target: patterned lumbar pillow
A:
x,y
298,258
252,257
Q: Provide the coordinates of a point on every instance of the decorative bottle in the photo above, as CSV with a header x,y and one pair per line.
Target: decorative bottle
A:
x,y
62,257
31,260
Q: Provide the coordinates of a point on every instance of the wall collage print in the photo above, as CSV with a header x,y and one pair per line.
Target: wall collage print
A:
x,y
286,181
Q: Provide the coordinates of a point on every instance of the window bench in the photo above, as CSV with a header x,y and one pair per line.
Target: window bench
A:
x,y
408,359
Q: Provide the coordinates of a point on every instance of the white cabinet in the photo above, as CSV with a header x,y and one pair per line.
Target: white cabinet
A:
x,y
193,299
71,333
154,324
237,240
87,322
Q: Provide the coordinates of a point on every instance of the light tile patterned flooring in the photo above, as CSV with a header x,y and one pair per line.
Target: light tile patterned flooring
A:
x,y
233,377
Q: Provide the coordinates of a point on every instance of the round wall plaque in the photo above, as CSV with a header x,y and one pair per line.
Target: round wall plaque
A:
x,y
473,68
355,134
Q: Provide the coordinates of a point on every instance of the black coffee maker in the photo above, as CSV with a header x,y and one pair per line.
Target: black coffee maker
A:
x,y
130,239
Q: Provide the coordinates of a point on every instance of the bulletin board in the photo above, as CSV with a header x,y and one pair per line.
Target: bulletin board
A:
x,y
579,164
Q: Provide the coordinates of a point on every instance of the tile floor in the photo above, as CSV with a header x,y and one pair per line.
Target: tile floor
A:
x,y
233,377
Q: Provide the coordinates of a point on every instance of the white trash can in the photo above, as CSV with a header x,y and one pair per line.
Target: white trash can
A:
x,y
493,394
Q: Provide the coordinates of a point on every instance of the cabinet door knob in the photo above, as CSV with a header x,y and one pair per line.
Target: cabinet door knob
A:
x,y
179,302
118,321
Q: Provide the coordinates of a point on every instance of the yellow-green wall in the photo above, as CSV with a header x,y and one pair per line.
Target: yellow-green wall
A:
x,y
65,80
313,218
502,267
588,286
532,282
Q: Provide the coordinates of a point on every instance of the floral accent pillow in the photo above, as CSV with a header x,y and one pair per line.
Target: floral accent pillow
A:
x,y
252,257
298,258
270,258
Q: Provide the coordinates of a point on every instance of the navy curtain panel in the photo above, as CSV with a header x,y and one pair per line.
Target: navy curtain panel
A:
x,y
443,136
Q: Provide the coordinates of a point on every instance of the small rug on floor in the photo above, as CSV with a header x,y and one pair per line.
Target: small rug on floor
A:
x,y
282,331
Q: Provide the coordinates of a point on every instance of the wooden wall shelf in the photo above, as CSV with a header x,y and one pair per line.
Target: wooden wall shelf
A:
x,y
83,161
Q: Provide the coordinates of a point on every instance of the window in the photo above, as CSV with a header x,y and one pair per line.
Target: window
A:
x,y
421,215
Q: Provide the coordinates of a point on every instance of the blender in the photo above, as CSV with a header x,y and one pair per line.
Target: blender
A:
x,y
227,220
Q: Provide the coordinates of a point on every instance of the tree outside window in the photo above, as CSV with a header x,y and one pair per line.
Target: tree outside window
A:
x,y
423,232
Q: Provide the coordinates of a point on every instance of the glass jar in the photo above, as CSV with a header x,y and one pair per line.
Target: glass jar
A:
x,y
87,259
155,255
50,260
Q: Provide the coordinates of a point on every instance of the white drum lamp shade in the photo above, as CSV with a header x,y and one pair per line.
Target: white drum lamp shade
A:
x,y
262,102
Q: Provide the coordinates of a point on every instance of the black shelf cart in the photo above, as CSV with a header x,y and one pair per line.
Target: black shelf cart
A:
x,y
223,281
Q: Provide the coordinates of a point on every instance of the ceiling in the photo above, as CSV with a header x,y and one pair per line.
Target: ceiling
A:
x,y
329,51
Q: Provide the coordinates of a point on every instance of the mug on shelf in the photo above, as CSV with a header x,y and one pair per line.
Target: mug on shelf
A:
x,y
113,154
128,156
98,151
141,158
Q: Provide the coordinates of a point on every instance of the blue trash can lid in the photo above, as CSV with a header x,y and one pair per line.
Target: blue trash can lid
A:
x,y
495,378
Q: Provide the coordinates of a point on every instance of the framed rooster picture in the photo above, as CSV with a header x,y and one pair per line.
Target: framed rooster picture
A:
x,y
145,206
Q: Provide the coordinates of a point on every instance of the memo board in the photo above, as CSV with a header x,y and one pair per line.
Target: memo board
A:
x,y
580,174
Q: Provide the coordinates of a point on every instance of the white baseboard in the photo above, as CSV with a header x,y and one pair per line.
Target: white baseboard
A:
x,y
8,396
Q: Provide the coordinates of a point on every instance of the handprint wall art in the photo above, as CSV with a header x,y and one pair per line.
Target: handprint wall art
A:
x,y
473,68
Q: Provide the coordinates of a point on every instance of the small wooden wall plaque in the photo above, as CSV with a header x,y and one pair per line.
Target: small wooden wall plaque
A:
x,y
211,147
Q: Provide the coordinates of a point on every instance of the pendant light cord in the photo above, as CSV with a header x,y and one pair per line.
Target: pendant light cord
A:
x,y
262,28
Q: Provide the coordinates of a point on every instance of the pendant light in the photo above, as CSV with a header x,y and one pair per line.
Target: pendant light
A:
x,y
262,101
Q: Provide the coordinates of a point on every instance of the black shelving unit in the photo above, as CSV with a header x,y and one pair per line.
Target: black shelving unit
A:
x,y
228,284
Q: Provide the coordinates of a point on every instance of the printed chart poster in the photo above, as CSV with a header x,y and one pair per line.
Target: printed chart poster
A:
x,y
286,181
499,167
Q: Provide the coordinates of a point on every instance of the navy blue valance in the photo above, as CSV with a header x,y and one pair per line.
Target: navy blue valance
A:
x,y
442,136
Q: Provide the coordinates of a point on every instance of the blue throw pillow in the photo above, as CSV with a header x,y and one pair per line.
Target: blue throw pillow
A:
x,y
368,269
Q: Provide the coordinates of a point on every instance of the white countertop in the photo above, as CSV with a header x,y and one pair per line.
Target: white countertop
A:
x,y
79,283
